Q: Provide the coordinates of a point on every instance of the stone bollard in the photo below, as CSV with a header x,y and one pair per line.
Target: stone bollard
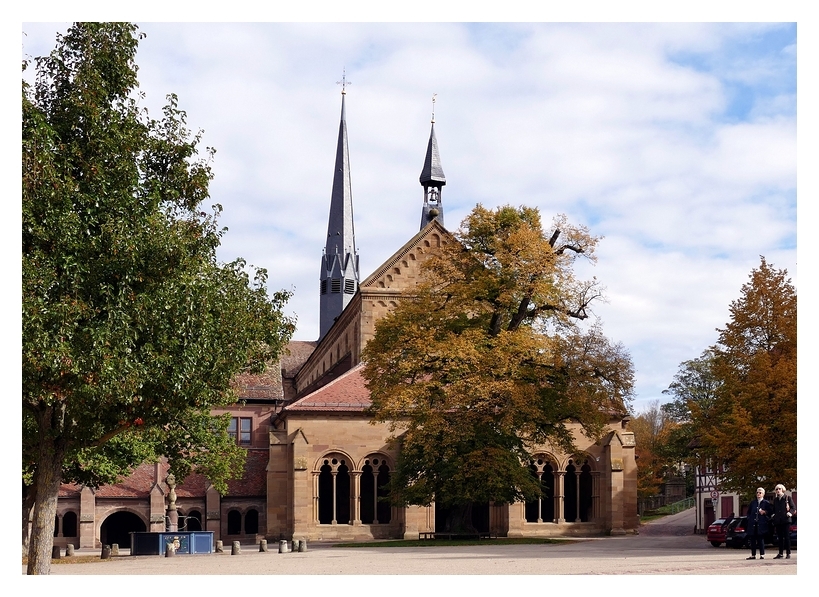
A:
x,y
170,550
69,550
55,552
303,545
283,546
106,552
263,545
115,549
236,549
220,548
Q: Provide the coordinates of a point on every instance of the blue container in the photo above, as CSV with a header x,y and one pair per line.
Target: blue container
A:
x,y
185,542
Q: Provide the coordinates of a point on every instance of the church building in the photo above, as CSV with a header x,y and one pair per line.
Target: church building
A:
x,y
316,466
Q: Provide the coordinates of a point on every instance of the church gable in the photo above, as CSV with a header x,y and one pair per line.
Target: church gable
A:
x,y
401,271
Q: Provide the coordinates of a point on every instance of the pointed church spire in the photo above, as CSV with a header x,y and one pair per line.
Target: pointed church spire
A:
x,y
432,179
339,263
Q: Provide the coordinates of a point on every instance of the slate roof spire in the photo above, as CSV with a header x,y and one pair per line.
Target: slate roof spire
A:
x,y
339,262
432,179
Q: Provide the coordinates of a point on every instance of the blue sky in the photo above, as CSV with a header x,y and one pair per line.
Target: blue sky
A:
x,y
676,142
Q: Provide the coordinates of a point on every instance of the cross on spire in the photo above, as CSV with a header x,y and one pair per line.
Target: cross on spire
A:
x,y
344,82
434,95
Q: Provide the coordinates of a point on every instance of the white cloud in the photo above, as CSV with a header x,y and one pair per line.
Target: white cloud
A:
x,y
629,129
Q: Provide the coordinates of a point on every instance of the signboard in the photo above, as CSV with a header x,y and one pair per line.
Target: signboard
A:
x,y
714,494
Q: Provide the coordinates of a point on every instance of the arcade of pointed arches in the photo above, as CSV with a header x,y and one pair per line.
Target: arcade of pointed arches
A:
x,y
346,493
349,494
568,495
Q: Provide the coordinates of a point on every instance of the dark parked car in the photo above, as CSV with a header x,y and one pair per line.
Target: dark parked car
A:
x,y
737,535
717,531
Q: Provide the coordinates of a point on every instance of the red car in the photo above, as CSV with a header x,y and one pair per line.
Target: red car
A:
x,y
717,531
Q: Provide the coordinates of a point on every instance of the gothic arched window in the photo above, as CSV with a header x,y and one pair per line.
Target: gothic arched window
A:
x,y
542,509
334,491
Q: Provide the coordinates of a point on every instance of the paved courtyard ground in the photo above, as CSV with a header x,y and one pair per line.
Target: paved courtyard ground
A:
x,y
666,547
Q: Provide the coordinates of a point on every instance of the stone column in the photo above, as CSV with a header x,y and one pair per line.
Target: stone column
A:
x,y
559,511
172,522
577,496
356,497
87,521
335,497
316,496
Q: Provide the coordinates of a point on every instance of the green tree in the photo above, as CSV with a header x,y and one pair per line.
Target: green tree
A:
x,y
751,426
694,389
488,358
132,330
695,386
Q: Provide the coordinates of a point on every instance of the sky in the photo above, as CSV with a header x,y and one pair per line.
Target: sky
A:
x,y
675,142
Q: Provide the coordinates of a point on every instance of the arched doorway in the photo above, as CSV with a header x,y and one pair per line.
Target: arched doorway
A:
x,y
192,521
117,527
234,522
251,522
70,524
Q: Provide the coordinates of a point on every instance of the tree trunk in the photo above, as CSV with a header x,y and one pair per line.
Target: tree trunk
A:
x,y
28,504
459,519
47,483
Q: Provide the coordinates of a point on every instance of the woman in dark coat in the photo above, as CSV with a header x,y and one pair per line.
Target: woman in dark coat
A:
x,y
758,513
783,510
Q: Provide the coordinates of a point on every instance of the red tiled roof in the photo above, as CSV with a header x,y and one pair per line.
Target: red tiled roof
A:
x,y
139,483
254,481
296,354
267,385
347,393
69,490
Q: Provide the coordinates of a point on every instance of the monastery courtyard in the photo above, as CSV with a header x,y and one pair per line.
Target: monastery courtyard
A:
x,y
666,546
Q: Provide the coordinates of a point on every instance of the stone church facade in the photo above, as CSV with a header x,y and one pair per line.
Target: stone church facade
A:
x,y
316,465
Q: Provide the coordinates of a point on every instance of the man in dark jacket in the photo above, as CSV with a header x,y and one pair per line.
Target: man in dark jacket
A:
x,y
783,511
758,513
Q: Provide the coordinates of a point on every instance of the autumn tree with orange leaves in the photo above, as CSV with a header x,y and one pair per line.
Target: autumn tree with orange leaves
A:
x,y
748,423
752,427
490,358
652,429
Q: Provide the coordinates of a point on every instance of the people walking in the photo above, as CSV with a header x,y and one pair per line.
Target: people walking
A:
x,y
783,511
758,513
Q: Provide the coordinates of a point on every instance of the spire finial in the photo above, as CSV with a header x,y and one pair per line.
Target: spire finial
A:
x,y
434,95
344,82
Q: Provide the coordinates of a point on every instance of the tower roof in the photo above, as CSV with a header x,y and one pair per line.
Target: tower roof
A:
x,y
340,232
433,172
339,263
